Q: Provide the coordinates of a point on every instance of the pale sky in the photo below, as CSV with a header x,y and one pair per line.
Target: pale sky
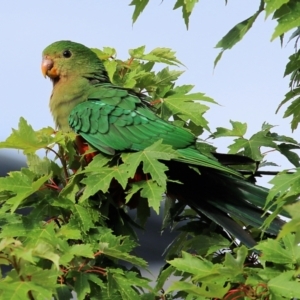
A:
x,y
248,81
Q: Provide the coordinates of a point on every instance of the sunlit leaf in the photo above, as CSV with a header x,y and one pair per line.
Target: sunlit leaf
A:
x,y
288,20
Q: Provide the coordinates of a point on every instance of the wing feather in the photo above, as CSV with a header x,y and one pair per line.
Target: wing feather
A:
x,y
112,118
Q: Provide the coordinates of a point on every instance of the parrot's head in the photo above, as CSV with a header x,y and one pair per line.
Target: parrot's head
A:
x,y
65,59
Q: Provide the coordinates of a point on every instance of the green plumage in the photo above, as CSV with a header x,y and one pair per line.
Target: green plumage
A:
x,y
123,123
113,119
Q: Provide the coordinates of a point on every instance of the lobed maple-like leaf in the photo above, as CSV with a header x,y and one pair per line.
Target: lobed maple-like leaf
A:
x,y
26,139
22,184
288,17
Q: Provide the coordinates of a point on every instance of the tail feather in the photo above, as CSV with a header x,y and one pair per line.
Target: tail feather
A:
x,y
227,223
222,197
245,201
194,157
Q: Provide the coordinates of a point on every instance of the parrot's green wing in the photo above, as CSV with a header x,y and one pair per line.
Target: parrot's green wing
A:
x,y
113,119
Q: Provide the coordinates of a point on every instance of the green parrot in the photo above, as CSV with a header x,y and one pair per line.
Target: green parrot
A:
x,y
114,119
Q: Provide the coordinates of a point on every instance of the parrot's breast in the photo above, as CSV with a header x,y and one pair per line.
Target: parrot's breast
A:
x,y
65,96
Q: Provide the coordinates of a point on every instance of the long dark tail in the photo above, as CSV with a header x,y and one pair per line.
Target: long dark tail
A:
x,y
226,199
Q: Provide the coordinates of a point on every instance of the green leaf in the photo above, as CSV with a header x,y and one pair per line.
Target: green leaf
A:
x,y
212,243
293,110
285,149
162,55
295,34
106,53
82,286
132,278
272,5
46,250
163,277
186,108
236,264
111,68
137,52
70,231
294,224
235,35
273,251
139,7
292,246
17,290
63,292
100,179
238,129
285,185
85,250
282,138
99,176
252,147
289,20
38,165
41,277
28,140
120,283
6,242
152,192
118,247
151,165
187,8
284,286
292,68
183,89
82,217
207,289
197,266
165,76
218,58
22,184
288,96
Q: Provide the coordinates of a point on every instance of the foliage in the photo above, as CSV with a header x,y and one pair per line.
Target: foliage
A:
x,y
76,230
65,229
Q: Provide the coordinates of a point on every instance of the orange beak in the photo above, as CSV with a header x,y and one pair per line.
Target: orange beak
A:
x,y
47,67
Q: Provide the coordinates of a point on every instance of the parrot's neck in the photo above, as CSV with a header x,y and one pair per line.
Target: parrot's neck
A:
x,y
71,88
67,93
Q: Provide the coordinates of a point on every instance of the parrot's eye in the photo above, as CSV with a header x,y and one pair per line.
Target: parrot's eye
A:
x,y
67,54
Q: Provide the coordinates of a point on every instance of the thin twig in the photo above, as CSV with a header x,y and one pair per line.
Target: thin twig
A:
x,y
95,271
98,253
259,173
269,151
62,162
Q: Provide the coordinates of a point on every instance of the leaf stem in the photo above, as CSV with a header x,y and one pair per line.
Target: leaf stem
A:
x,y
259,173
269,151
98,253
